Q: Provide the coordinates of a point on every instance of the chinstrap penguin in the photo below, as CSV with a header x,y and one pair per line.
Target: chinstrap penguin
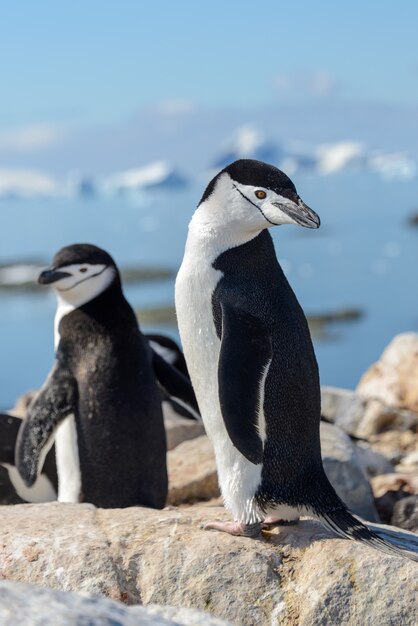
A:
x,y
171,371
12,488
101,400
250,356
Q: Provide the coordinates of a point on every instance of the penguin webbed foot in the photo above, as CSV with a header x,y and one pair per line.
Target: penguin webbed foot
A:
x,y
238,529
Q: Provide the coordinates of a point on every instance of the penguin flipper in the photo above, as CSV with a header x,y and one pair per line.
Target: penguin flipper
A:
x,y
56,400
176,385
167,348
246,352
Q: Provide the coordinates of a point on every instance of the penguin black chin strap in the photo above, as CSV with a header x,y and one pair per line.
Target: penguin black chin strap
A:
x,y
254,204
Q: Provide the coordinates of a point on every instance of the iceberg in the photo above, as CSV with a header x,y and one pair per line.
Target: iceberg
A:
x,y
247,143
338,156
22,183
393,165
155,175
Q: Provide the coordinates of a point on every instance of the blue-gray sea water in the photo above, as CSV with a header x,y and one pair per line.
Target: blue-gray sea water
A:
x,y
364,256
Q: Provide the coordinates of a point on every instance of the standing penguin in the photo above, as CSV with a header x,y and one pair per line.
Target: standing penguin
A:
x,y
101,399
249,353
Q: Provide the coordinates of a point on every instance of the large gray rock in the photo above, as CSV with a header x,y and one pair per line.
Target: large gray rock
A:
x,y
374,463
405,513
29,605
294,575
363,416
343,464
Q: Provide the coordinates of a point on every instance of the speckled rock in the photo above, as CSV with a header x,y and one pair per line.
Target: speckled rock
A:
x,y
192,472
29,605
395,445
295,575
394,378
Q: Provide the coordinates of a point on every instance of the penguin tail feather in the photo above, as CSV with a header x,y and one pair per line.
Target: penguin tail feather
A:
x,y
346,525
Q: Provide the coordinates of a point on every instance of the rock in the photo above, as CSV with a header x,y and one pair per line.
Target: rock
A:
x,y
22,403
395,482
390,489
178,429
293,575
411,458
394,378
192,472
373,463
405,513
183,616
361,416
379,417
342,407
394,445
28,605
343,465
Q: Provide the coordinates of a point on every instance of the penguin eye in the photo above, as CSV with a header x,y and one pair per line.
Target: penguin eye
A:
x,y
83,270
260,194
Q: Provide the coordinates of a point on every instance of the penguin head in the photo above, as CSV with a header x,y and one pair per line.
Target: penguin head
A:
x,y
80,273
251,195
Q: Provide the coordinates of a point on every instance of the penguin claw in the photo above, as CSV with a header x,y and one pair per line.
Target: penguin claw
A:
x,y
238,529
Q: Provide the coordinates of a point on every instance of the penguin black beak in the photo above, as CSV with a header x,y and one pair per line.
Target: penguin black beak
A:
x,y
300,213
47,277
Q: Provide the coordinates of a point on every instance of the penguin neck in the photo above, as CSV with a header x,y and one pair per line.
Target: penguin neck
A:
x,y
208,232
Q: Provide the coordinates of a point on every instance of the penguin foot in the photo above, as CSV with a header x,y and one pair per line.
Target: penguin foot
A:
x,y
238,529
270,521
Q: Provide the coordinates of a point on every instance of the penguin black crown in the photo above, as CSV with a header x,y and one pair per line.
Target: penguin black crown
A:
x,y
100,401
250,357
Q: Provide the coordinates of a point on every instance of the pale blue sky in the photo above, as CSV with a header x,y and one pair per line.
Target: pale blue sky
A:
x,y
89,61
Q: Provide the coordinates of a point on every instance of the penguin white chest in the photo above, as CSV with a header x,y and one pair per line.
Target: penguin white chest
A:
x,y
195,285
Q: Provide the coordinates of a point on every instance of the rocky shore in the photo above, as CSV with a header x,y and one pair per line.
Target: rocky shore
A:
x,y
293,575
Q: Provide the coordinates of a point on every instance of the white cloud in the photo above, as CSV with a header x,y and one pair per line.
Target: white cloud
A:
x,y
30,138
316,83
